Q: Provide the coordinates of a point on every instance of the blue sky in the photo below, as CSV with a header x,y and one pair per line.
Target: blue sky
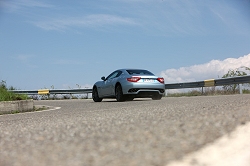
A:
x,y
65,43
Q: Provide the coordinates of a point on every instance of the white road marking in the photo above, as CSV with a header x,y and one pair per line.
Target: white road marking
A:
x,y
231,150
50,108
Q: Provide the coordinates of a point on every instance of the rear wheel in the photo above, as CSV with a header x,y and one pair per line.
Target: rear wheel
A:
x,y
119,94
95,95
157,97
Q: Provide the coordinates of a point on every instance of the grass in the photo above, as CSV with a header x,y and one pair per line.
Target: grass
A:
x,y
246,91
187,94
40,108
6,95
207,92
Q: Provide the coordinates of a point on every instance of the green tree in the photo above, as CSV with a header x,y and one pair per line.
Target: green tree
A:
x,y
6,95
3,85
242,71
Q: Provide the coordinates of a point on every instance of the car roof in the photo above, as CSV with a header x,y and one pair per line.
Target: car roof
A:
x,y
126,70
131,69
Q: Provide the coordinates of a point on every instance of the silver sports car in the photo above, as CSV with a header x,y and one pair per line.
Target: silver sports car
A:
x,y
127,84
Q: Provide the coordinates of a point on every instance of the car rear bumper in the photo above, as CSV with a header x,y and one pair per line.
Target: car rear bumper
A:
x,y
143,89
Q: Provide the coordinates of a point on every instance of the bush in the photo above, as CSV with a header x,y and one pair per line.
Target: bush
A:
x,y
246,91
6,95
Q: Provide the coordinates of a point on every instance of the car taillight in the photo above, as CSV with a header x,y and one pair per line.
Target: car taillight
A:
x,y
161,80
133,79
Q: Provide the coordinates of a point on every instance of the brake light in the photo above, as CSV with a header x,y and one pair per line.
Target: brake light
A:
x,y
133,79
161,80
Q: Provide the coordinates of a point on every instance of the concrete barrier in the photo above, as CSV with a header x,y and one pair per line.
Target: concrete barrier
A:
x,y
9,107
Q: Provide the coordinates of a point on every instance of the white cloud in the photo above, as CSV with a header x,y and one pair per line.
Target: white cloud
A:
x,y
94,20
68,62
211,70
15,5
23,58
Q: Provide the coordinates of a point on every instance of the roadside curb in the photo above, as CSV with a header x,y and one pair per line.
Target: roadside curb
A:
x,y
19,106
23,106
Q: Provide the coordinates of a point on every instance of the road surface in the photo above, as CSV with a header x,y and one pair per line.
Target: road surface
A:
x,y
142,132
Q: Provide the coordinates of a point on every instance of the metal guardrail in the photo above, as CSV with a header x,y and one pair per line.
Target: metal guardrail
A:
x,y
53,91
210,82
205,83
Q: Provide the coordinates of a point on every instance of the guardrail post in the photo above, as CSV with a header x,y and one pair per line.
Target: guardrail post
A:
x,y
240,88
165,93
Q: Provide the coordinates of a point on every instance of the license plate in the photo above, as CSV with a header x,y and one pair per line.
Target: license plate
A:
x,y
148,80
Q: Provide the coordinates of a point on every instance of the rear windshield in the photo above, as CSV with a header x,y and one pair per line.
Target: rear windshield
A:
x,y
139,72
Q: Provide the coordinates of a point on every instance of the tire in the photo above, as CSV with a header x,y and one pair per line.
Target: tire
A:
x,y
157,97
95,95
119,94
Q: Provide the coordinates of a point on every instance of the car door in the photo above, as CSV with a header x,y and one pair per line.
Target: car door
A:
x,y
108,83
112,82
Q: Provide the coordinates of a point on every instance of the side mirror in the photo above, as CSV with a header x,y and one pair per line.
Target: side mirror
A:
x,y
103,78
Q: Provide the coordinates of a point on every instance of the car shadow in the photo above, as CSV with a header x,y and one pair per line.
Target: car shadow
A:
x,y
135,100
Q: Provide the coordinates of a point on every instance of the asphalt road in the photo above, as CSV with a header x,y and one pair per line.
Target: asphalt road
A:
x,y
137,133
